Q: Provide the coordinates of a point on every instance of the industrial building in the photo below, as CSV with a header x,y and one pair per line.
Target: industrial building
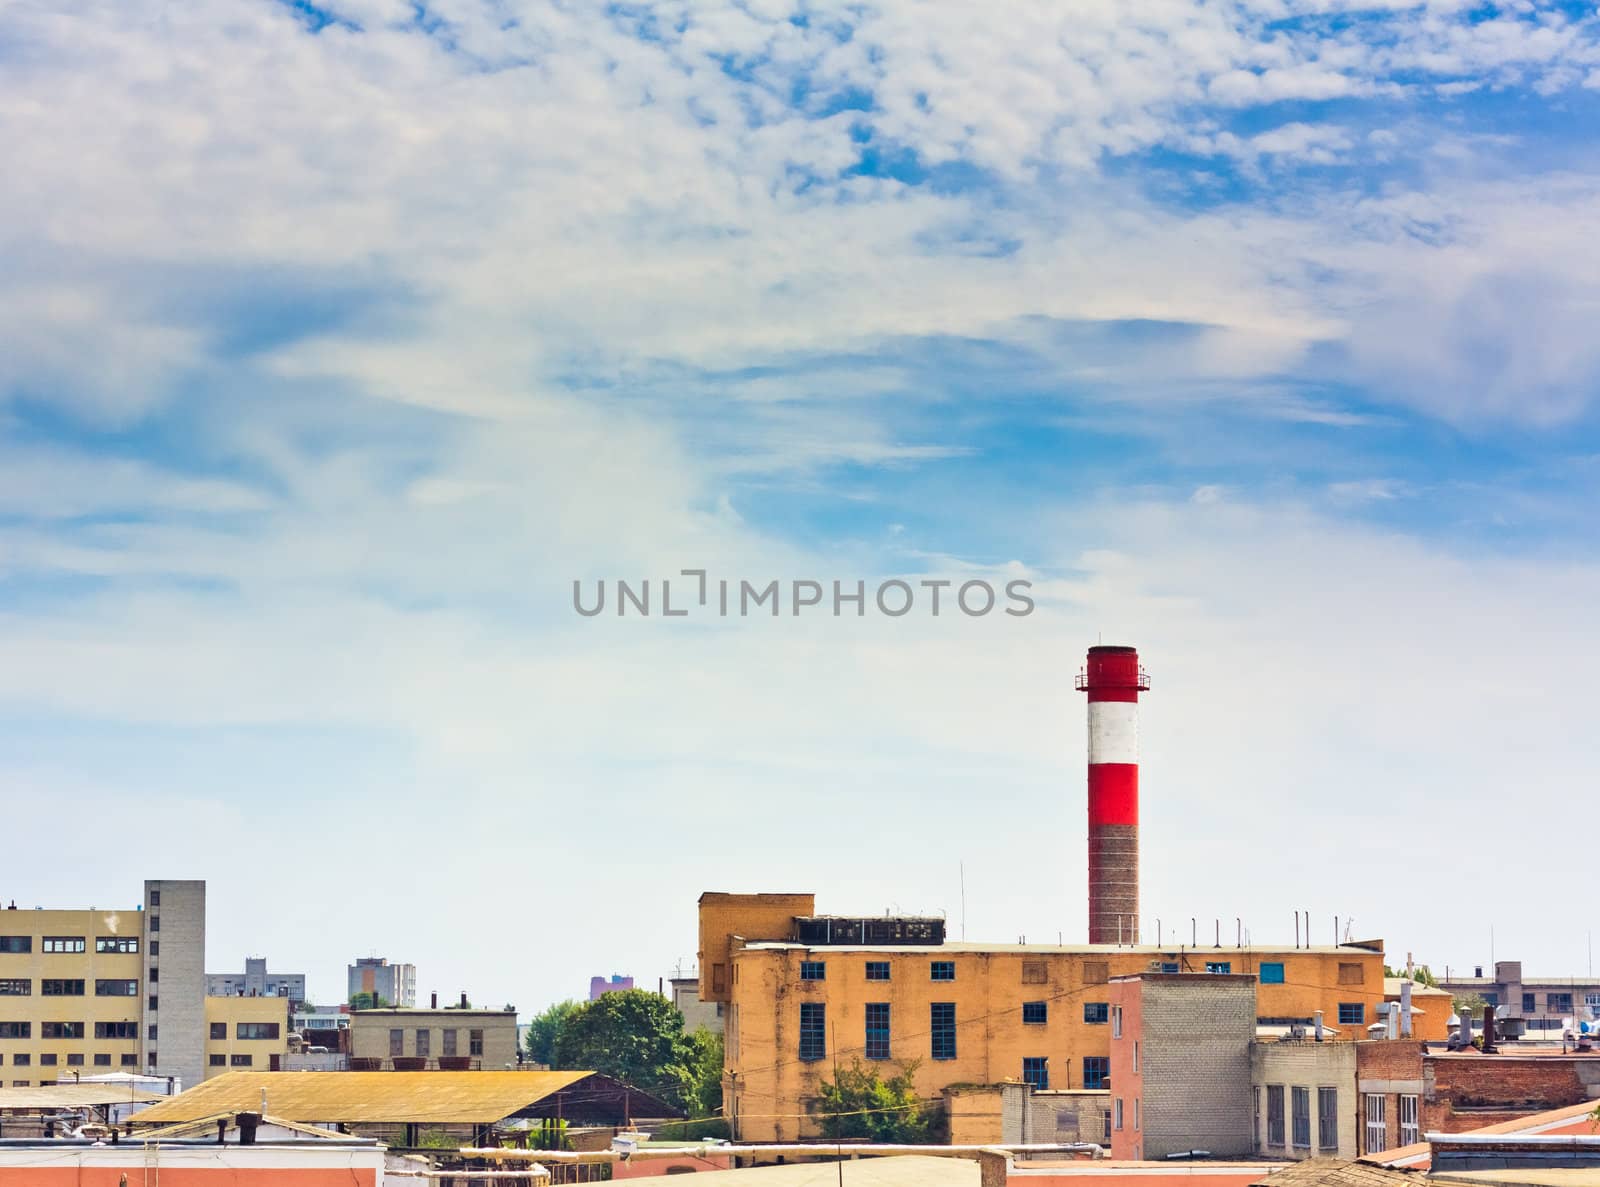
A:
x,y
256,981
123,989
1548,1006
455,1038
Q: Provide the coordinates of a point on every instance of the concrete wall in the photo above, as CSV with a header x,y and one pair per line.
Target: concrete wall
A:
x,y
234,1019
1075,1115
175,979
299,1165
1313,1066
1186,1085
370,1030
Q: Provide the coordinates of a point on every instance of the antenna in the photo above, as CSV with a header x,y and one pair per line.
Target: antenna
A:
x,y
963,901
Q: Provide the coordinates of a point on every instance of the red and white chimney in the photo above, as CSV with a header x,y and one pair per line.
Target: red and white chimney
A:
x,y
1113,680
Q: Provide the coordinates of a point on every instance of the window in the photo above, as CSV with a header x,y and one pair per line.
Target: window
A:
x,y
1116,1022
397,1043
813,970
20,1083
942,1020
262,1030
719,978
1300,1103
155,947
1096,972
219,1030
61,1030
877,1030
16,944
1275,1115
1527,1003
1096,1013
942,970
1035,972
102,1060
218,1061
813,1031
154,1002
1377,1131
1351,973
424,1041
152,1035
239,1060
1035,1013
1136,1103
877,970
130,1059
155,973
1219,966
1170,966
116,1030
63,944
448,1045
474,1042
1136,1055
1410,1132
1096,1071
1272,972
1036,1071
1592,1000
16,1030
1352,1013
54,987
1106,1117
155,898
116,944
1116,1112
1558,1003
15,987
1255,1124
1327,1119
116,989
22,1060
75,1059
1491,996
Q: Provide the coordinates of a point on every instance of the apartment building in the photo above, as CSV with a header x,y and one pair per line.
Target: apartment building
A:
x,y
1548,1006
454,1038
802,989
122,989
392,984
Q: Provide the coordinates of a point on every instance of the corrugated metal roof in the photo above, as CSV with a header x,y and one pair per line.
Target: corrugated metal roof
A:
x,y
906,1170
70,1096
441,1098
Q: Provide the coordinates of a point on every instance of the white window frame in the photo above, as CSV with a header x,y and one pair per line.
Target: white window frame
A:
x,y
1116,1113
1377,1127
1116,1022
1410,1130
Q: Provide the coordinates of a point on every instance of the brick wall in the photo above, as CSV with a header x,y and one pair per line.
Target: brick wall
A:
x,y
1390,1069
1464,1092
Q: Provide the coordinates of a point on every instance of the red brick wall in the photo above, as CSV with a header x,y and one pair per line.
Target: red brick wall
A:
x,y
1466,1092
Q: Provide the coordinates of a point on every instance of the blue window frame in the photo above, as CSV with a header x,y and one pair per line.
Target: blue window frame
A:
x,y
1035,1013
813,1031
1170,966
813,970
877,970
1036,1071
1096,1012
877,1030
942,1026
1219,966
1352,1013
942,970
1272,972
1096,1071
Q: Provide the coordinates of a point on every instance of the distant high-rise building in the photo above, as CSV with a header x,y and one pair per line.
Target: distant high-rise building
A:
x,y
394,984
599,985
255,981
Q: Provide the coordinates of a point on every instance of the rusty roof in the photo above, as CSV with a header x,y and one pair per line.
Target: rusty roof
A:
x,y
1332,1172
441,1098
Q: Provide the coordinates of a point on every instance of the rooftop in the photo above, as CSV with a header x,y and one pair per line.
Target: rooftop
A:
x,y
1205,951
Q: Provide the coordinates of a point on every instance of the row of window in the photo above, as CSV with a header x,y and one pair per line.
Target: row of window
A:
x,y
1300,1117
231,1060
424,1043
813,1044
878,970
69,1030
1377,1134
1037,972
73,1059
21,945
243,1030
68,987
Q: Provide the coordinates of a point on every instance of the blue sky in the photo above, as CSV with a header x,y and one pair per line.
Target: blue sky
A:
x,y
338,340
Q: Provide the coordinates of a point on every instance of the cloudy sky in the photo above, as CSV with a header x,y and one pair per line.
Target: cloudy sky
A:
x,y
338,340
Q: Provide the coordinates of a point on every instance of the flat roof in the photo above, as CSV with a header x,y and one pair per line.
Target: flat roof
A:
x,y
445,1098
895,1170
961,946
72,1096
413,1011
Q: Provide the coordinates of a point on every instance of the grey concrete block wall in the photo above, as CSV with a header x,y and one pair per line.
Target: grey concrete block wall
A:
x,y
1310,1065
1195,1064
175,944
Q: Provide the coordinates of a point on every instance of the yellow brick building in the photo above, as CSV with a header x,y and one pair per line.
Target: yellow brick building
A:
x,y
964,1013
91,991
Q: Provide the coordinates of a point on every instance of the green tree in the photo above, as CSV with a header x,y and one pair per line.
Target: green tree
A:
x,y
1468,1005
703,1090
631,1035
542,1031
858,1103
367,1001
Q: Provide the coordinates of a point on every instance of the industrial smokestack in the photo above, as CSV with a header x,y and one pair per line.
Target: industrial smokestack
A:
x,y
1113,680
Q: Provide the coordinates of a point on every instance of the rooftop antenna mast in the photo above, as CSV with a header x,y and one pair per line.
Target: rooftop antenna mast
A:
x,y
963,901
